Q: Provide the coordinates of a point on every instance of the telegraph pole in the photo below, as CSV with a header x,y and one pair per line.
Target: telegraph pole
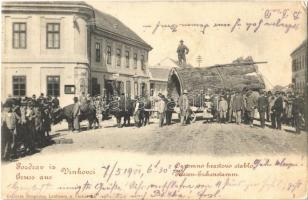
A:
x,y
199,60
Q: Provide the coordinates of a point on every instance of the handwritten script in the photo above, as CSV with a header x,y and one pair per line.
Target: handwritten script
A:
x,y
157,179
280,19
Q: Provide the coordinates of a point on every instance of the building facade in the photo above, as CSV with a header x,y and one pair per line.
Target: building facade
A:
x,y
158,81
159,75
299,68
66,48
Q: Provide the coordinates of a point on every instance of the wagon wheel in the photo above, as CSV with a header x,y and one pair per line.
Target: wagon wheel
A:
x,y
192,117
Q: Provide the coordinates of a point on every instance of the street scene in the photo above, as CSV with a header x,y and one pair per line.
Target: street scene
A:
x,y
83,77
220,140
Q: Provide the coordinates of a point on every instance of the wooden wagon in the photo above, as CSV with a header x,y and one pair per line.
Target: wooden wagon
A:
x,y
212,79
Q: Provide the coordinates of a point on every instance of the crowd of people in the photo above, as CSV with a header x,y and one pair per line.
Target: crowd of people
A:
x,y
25,124
140,108
245,106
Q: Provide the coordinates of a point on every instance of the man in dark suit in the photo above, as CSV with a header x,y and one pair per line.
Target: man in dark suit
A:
x,y
182,50
297,111
170,104
262,108
121,102
76,114
148,106
278,109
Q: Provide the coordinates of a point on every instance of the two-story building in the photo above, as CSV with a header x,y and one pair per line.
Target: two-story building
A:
x,y
159,74
300,68
66,48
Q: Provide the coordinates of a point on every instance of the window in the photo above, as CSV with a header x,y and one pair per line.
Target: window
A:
x,y
53,36
19,85
120,87
152,87
97,52
96,88
108,54
118,57
143,89
142,62
136,89
19,35
127,58
135,60
128,89
69,89
53,85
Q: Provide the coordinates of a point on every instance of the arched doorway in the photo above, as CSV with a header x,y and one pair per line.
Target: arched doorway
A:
x,y
174,86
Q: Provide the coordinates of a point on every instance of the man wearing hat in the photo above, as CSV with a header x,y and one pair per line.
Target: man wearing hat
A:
x,y
297,111
182,51
161,109
237,106
184,106
34,100
251,104
10,122
147,106
230,111
128,110
121,109
278,110
169,109
262,108
76,113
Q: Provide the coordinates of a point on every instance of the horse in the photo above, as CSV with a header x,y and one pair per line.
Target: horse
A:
x,y
118,111
87,112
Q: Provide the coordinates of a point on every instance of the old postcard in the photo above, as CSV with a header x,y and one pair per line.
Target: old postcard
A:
x,y
154,100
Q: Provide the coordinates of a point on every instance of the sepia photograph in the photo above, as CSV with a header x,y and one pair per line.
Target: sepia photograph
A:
x,y
125,99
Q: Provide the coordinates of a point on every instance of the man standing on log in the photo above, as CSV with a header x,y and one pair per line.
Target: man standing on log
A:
x,y
182,51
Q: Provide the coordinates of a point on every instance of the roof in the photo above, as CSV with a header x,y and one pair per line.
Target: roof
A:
x,y
169,63
112,24
304,43
159,74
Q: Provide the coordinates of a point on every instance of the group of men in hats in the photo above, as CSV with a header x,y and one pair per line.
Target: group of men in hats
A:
x,y
25,124
277,108
165,107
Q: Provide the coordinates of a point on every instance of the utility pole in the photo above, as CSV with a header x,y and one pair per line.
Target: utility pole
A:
x,y
199,60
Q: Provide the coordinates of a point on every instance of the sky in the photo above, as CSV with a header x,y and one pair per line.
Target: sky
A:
x,y
218,44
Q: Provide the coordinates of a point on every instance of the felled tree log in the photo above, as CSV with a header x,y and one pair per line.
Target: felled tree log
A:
x,y
214,78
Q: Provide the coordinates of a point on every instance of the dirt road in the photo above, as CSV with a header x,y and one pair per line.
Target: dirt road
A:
x,y
153,152
198,138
